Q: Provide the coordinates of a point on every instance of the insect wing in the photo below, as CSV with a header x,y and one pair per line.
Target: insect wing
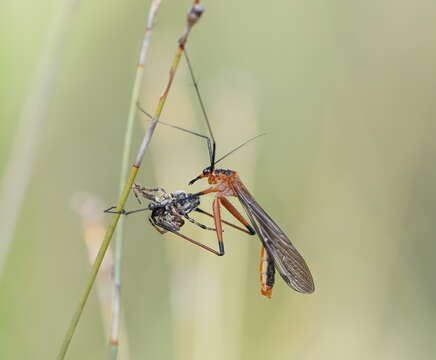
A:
x,y
289,263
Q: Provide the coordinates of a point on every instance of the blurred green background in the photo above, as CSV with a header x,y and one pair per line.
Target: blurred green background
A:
x,y
346,92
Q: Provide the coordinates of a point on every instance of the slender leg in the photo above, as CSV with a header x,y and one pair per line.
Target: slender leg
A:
x,y
144,189
157,228
135,211
205,247
232,210
218,225
267,271
137,189
198,224
207,191
124,212
224,222
110,211
145,112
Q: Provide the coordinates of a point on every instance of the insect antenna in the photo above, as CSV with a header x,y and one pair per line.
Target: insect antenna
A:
x,y
212,149
238,147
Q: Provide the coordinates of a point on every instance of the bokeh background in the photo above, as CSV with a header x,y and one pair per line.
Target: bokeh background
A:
x,y
346,93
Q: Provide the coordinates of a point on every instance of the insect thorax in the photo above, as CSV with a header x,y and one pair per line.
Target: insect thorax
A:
x,y
184,203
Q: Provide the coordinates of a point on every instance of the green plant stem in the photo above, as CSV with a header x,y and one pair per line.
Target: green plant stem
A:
x,y
116,302
193,17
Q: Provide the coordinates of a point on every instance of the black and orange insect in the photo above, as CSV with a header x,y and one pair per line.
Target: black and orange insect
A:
x,y
277,250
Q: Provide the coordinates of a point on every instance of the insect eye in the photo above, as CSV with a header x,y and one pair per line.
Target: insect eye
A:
x,y
228,172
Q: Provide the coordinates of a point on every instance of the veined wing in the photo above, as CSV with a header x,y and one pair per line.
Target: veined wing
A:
x,y
289,263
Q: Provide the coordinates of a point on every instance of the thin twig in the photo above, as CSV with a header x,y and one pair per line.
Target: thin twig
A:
x,y
116,301
19,168
88,207
193,16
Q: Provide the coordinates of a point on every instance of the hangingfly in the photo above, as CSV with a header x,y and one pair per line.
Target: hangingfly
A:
x,y
288,261
277,250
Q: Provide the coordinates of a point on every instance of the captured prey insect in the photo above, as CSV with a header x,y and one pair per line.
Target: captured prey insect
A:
x,y
170,210
278,251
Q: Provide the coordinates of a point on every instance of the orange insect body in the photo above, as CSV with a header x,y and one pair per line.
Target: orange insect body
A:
x,y
223,183
265,274
278,252
223,180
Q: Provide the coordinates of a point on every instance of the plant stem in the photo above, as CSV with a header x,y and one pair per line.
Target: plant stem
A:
x,y
193,17
116,300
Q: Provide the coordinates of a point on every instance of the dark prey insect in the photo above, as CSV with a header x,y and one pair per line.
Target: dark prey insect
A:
x,y
170,210
279,250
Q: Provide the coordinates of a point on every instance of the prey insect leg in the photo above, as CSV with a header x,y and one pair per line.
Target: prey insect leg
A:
x,y
157,228
135,211
198,224
110,210
143,191
205,247
124,212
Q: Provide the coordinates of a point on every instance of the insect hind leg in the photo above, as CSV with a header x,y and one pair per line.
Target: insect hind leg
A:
x,y
138,189
199,224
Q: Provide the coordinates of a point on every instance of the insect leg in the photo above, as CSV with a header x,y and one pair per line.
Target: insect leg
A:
x,y
218,224
110,210
210,147
205,192
232,210
223,221
205,247
143,191
135,211
157,228
198,224
124,212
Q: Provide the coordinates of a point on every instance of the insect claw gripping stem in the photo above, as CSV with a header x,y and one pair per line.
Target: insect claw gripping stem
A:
x,y
109,211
